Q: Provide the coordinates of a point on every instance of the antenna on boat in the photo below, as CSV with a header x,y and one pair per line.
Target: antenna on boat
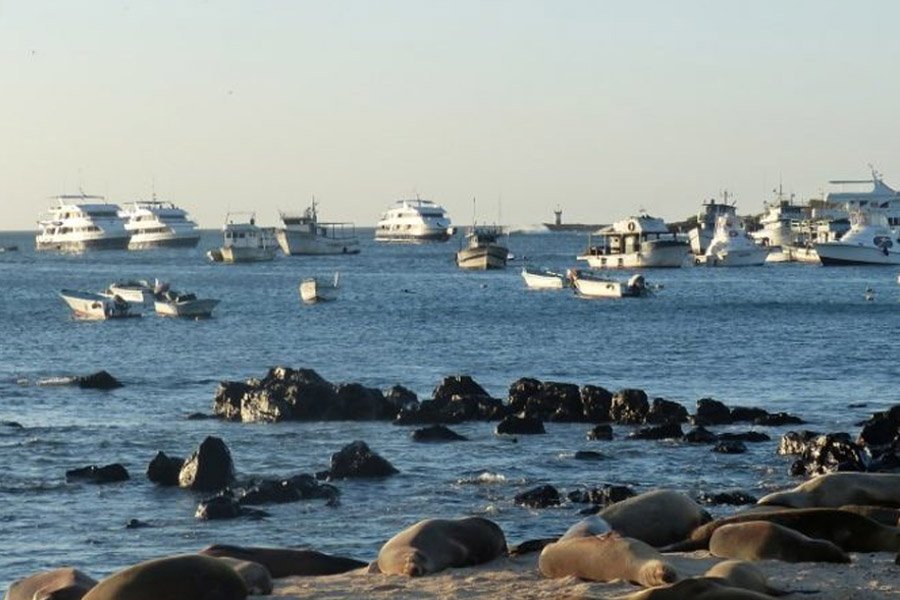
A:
x,y
473,212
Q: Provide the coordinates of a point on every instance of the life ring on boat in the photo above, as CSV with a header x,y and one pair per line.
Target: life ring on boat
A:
x,y
732,233
631,226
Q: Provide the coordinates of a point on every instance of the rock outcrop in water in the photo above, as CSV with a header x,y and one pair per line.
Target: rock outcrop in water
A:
x,y
164,469
101,380
209,469
357,460
94,474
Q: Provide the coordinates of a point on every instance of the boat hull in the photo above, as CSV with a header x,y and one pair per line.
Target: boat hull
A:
x,y
312,291
412,238
233,255
141,242
85,305
301,244
82,245
482,258
738,258
665,255
837,254
543,281
190,308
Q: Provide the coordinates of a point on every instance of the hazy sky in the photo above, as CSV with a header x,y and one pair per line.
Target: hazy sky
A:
x,y
600,107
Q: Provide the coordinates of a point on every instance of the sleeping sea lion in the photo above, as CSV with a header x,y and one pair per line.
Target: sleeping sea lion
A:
x,y
255,576
697,588
59,584
604,558
184,577
761,540
285,562
658,518
850,531
432,545
835,489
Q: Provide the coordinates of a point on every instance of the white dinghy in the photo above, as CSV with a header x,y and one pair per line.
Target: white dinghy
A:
x,y
88,305
178,304
543,279
588,285
317,289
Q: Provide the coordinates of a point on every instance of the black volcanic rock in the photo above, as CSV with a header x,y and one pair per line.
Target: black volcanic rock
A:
x,y
437,433
93,474
735,498
711,412
629,407
357,460
596,402
101,380
164,469
795,442
539,497
700,435
664,411
669,431
209,468
600,432
746,436
513,425
730,447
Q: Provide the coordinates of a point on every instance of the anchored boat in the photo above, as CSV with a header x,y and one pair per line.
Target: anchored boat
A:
x,y
316,289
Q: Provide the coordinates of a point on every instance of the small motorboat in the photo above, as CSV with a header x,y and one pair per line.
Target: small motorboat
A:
x,y
138,291
316,289
88,305
543,279
9,248
178,304
593,286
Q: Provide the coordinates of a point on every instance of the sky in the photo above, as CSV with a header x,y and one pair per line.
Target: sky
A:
x,y
602,108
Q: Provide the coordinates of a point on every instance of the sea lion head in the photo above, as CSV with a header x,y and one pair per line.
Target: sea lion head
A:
x,y
416,564
656,572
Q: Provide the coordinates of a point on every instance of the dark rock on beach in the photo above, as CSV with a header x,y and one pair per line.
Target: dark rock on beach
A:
x,y
356,460
208,469
164,469
94,474
603,496
882,429
795,442
600,432
437,433
101,380
829,453
664,411
539,497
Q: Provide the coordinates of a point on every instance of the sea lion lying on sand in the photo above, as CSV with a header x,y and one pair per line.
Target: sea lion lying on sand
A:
x,y
255,576
835,489
760,540
286,562
606,557
185,577
433,545
658,518
58,584
727,580
850,531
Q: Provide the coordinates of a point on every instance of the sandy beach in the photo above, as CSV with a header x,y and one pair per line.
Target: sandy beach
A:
x,y
868,577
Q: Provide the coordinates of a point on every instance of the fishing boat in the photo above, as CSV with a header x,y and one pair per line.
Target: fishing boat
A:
x,y
317,289
588,285
178,304
870,241
302,234
244,241
636,243
732,246
543,279
88,305
138,291
701,235
483,250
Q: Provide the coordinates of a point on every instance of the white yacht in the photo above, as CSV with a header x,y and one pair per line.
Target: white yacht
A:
x,y
635,243
732,246
244,241
414,221
155,224
780,227
870,241
305,234
82,222
701,235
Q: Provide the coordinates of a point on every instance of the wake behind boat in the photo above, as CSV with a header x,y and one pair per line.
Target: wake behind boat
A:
x,y
88,305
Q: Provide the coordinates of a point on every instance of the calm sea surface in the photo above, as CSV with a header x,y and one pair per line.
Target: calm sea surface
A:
x,y
794,338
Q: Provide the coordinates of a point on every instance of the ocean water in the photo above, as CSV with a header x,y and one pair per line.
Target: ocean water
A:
x,y
796,338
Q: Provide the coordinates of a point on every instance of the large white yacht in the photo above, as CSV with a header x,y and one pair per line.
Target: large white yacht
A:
x,y
305,234
414,221
780,224
701,235
156,224
732,246
82,222
634,243
870,241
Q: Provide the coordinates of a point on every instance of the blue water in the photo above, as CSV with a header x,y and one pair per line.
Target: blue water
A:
x,y
794,338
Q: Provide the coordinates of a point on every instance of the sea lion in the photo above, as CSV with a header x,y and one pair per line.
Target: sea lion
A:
x,y
59,584
835,489
593,525
433,545
286,562
882,514
606,557
850,531
184,577
658,518
256,577
742,574
697,588
760,540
